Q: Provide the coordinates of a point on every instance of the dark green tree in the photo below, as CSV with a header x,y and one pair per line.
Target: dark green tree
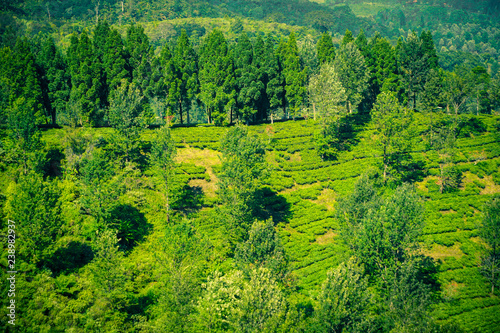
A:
x,y
413,64
272,71
186,64
217,81
295,76
250,87
55,79
25,82
87,81
140,58
490,232
325,49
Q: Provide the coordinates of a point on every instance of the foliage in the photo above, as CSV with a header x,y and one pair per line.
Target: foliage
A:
x,y
263,248
391,122
243,168
344,299
490,232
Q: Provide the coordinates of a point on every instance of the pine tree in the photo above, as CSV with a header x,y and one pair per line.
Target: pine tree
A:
x,y
247,79
217,82
86,80
55,78
25,80
186,64
275,87
413,67
140,58
325,49
347,38
295,76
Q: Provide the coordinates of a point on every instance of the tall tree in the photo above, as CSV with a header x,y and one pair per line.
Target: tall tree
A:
x,y
25,80
327,93
325,49
140,58
351,68
217,82
249,86
55,78
86,80
162,157
126,116
413,64
295,75
391,122
272,71
186,64
243,166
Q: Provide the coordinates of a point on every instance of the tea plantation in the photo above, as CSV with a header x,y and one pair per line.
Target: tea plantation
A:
x,y
302,191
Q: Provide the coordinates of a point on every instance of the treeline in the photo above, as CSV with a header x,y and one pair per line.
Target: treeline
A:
x,y
247,81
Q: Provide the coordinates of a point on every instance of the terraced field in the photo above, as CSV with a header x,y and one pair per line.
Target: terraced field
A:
x,y
301,195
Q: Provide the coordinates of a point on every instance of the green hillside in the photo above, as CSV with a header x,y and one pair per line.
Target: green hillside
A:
x,y
300,194
250,166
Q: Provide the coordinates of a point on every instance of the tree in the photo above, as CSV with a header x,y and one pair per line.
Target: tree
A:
x,y
186,63
391,122
23,142
231,303
456,90
327,93
126,116
33,205
295,76
344,299
263,248
325,49
384,233
274,78
180,257
490,233
140,58
55,79
351,68
413,64
86,80
24,80
162,156
217,81
250,87
109,276
243,166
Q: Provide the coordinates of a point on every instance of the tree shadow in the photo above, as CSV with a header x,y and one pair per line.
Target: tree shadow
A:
x,y
406,169
190,199
130,223
69,258
269,204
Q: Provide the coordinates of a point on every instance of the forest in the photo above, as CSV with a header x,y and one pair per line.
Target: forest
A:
x,y
250,166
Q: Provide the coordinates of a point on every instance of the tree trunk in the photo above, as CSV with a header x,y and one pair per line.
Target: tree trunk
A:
x,y
180,111
314,111
272,118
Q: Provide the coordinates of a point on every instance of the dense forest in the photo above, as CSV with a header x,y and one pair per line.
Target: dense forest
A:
x,y
245,166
